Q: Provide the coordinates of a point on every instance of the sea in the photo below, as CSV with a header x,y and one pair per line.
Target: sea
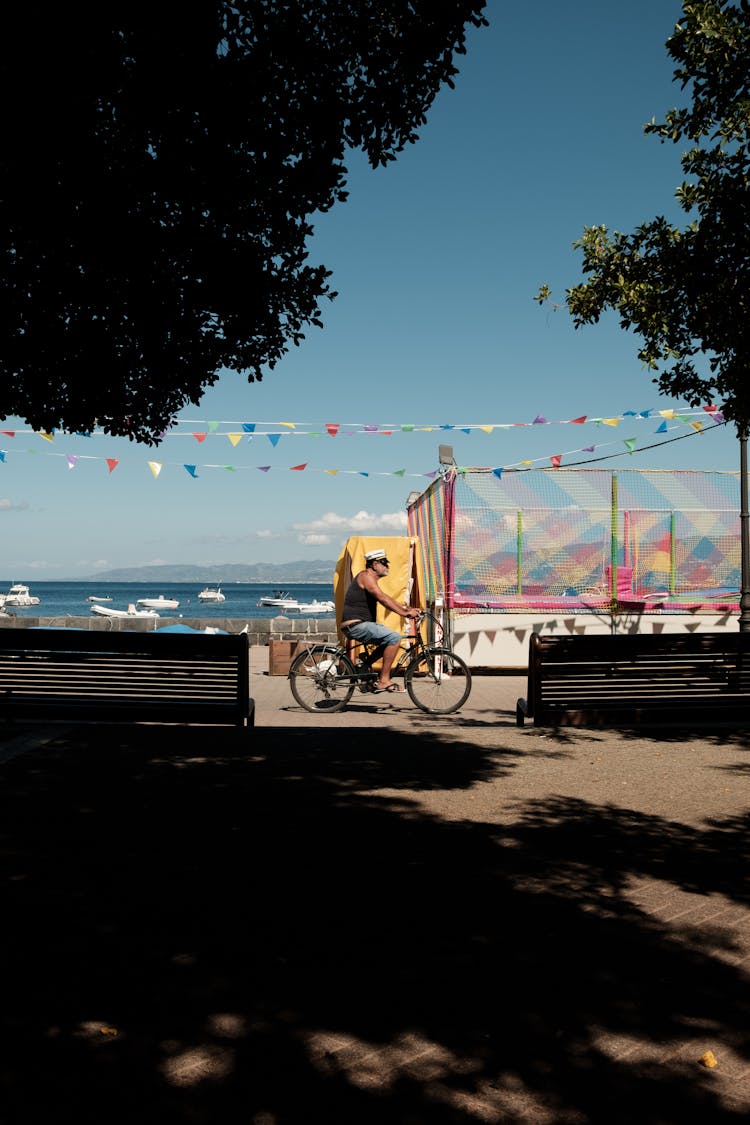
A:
x,y
69,599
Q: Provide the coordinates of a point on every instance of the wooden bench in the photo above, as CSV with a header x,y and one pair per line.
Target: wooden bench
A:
x,y
125,677
626,679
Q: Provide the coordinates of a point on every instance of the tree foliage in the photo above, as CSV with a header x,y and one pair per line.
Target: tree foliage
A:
x,y
685,290
160,168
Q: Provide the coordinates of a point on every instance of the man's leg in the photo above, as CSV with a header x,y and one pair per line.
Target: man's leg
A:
x,y
389,655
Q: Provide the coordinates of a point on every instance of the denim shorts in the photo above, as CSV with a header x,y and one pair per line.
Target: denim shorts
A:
x,y
374,633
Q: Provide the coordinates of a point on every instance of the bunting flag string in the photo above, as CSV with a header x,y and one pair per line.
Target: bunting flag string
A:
x,y
235,431
556,460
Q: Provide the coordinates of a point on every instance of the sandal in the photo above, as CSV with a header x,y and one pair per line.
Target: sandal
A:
x,y
394,689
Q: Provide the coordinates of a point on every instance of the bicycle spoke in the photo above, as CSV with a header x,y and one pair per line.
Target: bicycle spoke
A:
x,y
438,681
321,679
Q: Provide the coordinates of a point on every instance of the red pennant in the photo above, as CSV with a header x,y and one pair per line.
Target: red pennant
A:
x,y
579,421
113,463
556,460
199,437
333,428
299,467
9,433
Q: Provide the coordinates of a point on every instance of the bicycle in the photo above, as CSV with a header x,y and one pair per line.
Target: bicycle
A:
x,y
323,676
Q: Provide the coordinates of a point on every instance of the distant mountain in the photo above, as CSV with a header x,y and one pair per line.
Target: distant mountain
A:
x,y
315,570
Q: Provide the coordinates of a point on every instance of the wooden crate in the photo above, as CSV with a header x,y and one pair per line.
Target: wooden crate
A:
x,y
280,656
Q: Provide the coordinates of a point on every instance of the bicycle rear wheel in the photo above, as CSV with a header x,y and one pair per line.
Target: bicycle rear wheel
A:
x,y
438,681
322,679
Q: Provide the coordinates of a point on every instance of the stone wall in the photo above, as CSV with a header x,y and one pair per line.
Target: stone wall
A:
x,y
259,631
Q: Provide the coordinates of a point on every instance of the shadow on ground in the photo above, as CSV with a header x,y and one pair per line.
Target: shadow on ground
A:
x,y
197,936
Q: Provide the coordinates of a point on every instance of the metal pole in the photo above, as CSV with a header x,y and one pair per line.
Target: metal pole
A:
x,y
742,430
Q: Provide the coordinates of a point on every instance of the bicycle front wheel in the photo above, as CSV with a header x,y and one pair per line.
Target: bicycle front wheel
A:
x,y
438,681
322,679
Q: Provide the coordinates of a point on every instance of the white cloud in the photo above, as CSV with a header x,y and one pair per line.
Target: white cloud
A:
x,y
361,523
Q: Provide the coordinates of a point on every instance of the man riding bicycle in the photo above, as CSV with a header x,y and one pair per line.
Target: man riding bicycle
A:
x,y
359,616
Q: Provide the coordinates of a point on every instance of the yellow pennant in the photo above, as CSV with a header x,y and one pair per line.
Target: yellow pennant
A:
x,y
234,438
487,429
155,467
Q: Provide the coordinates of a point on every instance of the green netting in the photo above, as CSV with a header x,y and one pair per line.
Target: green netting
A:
x,y
590,536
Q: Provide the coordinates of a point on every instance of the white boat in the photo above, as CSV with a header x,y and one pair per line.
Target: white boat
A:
x,y
313,607
93,598
158,603
131,611
18,595
278,598
281,600
211,594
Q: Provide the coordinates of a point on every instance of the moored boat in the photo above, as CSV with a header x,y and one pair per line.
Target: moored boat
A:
x,y
131,611
211,594
284,603
315,607
18,595
277,598
94,598
158,603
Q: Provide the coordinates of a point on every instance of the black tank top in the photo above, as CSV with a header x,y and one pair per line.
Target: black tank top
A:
x,y
359,604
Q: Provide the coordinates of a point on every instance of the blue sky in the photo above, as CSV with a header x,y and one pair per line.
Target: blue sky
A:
x,y
436,260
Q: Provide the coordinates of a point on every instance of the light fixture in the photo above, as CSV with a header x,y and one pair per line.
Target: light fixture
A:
x,y
445,455
412,498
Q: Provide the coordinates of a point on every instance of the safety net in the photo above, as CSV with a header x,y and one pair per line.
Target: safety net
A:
x,y
580,538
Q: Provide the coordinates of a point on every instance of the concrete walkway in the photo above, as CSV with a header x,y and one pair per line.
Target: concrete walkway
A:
x,y
375,916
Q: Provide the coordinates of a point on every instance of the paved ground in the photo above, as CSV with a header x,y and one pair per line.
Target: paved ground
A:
x,y
374,917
